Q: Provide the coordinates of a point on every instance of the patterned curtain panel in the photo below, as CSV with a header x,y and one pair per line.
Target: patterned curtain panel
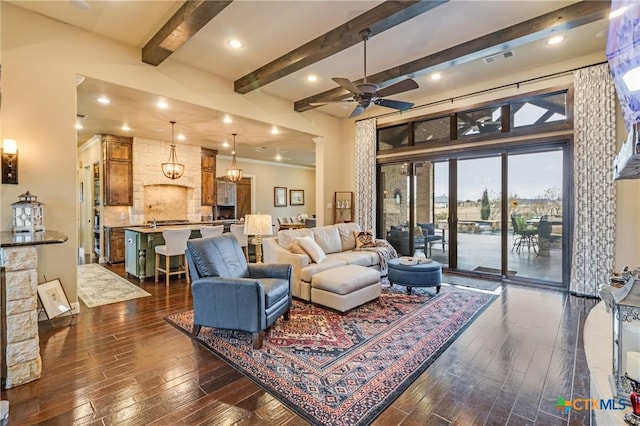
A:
x,y
595,190
365,174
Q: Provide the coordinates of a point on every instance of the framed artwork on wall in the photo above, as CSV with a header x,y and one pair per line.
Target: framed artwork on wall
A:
x,y
296,197
279,196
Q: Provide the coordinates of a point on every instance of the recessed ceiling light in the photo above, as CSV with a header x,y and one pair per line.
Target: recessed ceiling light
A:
x,y
311,78
435,76
225,144
234,43
227,119
274,130
181,137
125,128
619,11
555,40
162,104
79,125
80,4
278,157
104,100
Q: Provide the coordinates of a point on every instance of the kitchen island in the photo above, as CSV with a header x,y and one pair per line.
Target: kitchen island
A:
x,y
140,243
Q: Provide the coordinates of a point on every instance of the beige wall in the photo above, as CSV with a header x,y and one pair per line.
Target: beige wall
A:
x,y
40,59
267,176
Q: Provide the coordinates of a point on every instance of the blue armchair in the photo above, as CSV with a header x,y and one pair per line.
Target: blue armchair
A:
x,y
229,293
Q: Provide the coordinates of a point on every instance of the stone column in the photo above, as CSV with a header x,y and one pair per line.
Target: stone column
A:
x,y
23,345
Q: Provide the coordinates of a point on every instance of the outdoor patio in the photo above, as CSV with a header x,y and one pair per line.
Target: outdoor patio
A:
x,y
482,250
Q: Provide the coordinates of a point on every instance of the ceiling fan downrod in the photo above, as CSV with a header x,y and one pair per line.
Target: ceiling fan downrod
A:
x,y
364,35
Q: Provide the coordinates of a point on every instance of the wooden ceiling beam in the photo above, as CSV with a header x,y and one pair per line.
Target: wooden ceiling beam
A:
x,y
569,17
380,18
184,24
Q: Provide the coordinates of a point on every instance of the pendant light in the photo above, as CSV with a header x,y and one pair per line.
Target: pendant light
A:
x,y
172,169
234,174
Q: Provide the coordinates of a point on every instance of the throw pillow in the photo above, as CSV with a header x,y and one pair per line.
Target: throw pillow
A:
x,y
364,239
313,249
295,248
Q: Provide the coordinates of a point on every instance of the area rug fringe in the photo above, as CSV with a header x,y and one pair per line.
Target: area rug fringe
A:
x,y
99,286
334,369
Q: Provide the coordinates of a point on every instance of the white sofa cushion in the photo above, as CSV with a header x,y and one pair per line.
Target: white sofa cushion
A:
x,y
286,237
362,258
328,238
307,272
347,237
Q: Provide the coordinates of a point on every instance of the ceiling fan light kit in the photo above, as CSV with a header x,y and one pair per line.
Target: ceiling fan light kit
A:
x,y
366,94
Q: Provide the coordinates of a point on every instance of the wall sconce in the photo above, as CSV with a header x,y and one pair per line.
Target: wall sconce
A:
x,y
9,161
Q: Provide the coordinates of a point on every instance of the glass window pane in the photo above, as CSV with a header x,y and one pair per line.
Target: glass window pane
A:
x,y
437,129
539,111
395,207
393,137
480,122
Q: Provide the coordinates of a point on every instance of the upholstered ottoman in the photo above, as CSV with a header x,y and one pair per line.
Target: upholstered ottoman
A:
x,y
419,275
345,287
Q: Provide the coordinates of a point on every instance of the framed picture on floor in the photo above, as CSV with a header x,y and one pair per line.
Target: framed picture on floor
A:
x,y
54,300
279,196
296,197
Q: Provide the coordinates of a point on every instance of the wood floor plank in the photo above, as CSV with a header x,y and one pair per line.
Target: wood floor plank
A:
x,y
122,364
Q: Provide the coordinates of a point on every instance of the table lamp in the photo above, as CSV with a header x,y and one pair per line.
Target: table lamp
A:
x,y
258,225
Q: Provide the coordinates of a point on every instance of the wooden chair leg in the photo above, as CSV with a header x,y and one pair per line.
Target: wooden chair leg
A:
x,y
257,339
167,267
157,260
186,267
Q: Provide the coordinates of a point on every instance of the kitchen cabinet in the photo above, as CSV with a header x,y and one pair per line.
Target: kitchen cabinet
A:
x,y
343,207
225,192
208,172
118,170
114,244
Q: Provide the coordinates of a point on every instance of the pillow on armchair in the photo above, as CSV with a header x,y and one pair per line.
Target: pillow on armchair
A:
x,y
427,228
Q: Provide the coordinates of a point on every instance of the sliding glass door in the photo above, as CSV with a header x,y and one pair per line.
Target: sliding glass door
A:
x,y
478,217
497,214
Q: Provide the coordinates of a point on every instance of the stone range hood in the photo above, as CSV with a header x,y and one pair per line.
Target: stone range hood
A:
x,y
155,195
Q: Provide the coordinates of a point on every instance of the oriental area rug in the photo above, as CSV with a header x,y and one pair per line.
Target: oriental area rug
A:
x,y
99,286
334,369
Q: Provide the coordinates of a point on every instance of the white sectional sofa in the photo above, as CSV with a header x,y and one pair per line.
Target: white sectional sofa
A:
x,y
338,243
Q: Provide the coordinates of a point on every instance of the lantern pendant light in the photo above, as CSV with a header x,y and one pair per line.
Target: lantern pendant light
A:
x,y
234,174
172,169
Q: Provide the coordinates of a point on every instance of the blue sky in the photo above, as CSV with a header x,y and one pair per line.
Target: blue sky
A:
x,y
529,175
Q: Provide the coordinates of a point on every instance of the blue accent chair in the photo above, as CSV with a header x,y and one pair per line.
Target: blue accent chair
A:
x,y
229,293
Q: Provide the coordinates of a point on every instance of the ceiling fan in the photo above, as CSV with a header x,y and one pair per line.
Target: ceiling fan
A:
x,y
366,94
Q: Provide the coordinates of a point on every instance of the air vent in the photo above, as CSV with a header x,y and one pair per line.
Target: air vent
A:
x,y
498,57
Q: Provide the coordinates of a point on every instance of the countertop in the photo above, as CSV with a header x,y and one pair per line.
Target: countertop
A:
x,y
18,239
147,229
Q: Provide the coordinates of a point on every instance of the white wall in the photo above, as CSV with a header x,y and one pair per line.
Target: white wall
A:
x,y
40,58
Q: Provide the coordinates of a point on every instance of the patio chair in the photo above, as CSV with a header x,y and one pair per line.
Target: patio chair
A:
x,y
523,234
429,232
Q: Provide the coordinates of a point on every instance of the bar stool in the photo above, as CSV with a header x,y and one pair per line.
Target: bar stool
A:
x,y
238,232
211,231
175,245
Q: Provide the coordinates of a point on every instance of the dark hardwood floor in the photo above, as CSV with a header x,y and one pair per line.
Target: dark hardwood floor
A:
x,y
122,364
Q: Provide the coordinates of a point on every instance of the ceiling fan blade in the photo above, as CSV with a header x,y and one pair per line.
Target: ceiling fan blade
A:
x,y
331,102
399,87
389,103
357,111
347,84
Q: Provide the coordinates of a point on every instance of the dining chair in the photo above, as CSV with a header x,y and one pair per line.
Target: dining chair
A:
x,y
175,245
211,231
238,232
